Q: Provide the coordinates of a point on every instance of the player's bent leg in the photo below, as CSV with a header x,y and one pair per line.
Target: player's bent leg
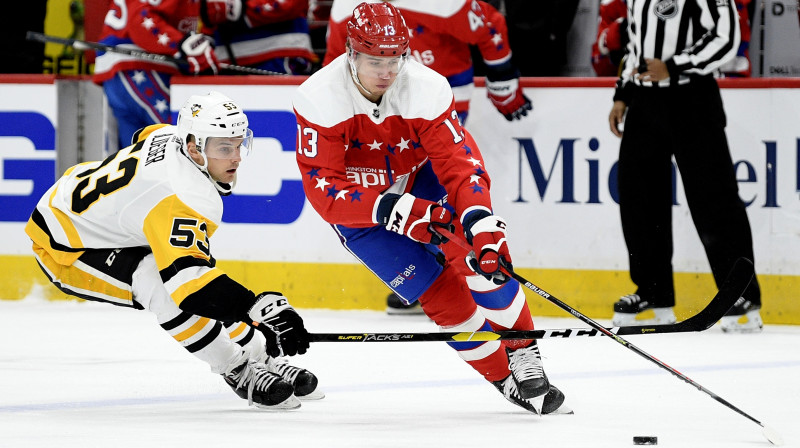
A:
x,y
207,340
449,304
305,383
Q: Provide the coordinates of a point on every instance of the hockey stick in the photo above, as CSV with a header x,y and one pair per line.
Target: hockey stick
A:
x,y
97,46
742,268
731,290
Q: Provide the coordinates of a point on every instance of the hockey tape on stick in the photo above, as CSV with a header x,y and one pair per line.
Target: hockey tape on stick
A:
x,y
141,54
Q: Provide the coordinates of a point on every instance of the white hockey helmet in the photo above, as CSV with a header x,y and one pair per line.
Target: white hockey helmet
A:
x,y
209,116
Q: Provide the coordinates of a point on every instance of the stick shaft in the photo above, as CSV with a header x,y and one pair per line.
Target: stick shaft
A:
x,y
97,46
742,270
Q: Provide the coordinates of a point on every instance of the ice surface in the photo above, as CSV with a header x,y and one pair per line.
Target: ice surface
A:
x,y
94,375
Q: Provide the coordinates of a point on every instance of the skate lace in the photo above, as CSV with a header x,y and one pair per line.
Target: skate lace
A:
x,y
254,377
526,363
284,369
631,299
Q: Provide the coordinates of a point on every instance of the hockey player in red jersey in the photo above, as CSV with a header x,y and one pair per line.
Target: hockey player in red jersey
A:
x,y
385,160
441,33
267,34
138,89
133,230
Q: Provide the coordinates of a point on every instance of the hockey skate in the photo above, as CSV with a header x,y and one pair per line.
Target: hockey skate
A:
x,y
262,388
396,307
743,317
304,382
528,372
551,403
628,307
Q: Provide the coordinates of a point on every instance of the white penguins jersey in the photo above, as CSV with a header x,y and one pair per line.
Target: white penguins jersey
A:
x,y
146,195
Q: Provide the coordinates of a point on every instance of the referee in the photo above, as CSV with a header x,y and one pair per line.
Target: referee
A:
x,y
674,109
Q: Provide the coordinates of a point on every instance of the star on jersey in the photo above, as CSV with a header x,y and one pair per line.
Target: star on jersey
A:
x,y
375,145
467,149
479,171
477,189
342,194
474,161
148,23
333,192
163,39
161,105
355,196
403,144
138,77
416,144
390,148
475,178
497,39
322,183
313,173
356,144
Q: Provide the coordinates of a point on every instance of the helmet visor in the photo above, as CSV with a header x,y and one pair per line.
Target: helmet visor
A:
x,y
229,147
377,66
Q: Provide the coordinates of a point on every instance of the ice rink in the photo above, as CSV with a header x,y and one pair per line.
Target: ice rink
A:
x,y
93,375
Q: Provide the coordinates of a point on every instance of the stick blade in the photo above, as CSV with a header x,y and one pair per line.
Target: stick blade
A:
x,y
772,435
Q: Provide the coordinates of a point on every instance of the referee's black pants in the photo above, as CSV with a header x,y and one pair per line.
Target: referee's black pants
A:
x,y
687,122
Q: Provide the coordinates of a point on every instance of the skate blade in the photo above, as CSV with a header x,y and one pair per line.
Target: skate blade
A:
x,y
537,403
286,405
315,395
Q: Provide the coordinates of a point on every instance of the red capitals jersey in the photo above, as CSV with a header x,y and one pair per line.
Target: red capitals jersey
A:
x,y
441,33
350,149
156,26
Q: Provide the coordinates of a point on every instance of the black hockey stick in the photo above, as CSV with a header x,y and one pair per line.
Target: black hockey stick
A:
x,y
738,280
742,268
97,46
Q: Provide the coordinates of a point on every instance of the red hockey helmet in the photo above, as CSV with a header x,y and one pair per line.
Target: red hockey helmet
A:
x,y
378,29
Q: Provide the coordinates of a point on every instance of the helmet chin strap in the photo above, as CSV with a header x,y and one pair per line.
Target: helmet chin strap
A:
x,y
354,72
223,188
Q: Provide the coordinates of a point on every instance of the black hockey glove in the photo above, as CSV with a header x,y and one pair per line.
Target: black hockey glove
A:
x,y
281,325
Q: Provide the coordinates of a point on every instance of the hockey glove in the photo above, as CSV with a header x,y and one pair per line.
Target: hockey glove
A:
x,y
413,217
215,12
198,51
281,325
487,235
502,87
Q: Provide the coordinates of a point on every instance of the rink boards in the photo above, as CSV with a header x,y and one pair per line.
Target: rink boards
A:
x,y
553,179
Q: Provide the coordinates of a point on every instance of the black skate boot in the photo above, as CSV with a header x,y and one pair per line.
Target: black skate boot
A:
x,y
304,382
259,386
553,402
527,371
627,307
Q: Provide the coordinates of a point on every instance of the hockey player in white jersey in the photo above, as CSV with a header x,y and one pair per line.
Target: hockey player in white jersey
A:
x,y
133,230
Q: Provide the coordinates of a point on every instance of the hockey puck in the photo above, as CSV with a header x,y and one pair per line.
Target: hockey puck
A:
x,y
645,440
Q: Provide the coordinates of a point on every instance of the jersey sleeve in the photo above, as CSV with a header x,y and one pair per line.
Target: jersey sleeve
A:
x,y
320,157
179,239
480,24
265,12
148,28
457,161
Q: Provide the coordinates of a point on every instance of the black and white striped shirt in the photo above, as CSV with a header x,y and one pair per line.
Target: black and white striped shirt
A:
x,y
693,37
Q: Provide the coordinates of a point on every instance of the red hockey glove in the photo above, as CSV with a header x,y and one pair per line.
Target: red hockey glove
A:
x,y
198,51
413,217
487,235
281,325
215,12
502,87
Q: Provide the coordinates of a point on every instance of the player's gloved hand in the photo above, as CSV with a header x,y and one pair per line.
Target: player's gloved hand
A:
x,y
487,235
413,217
282,326
198,51
502,87
215,12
